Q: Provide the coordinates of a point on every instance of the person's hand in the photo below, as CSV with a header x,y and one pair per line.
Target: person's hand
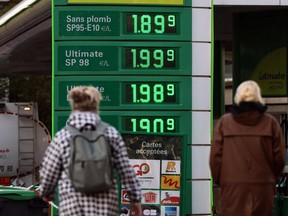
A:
x,y
49,198
135,210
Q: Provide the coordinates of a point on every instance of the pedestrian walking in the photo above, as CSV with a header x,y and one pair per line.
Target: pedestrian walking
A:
x,y
247,155
85,101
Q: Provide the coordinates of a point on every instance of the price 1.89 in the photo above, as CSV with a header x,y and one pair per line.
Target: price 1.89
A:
x,y
150,124
157,58
152,23
151,93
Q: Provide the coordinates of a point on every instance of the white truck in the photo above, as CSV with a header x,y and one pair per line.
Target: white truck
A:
x,y
23,141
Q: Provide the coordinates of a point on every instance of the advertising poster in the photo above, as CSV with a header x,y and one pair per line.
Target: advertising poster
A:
x,y
156,161
261,52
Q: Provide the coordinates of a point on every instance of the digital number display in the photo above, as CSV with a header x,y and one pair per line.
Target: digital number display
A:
x,y
127,23
152,23
150,93
147,58
151,124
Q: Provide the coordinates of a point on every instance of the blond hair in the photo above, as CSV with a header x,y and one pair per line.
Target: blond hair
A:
x,y
248,91
85,98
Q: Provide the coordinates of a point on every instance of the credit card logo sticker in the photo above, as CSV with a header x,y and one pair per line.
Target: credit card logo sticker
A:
x,y
124,197
170,182
171,167
147,172
150,197
170,211
170,197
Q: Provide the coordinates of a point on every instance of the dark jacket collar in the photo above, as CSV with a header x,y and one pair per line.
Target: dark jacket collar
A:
x,y
247,106
248,113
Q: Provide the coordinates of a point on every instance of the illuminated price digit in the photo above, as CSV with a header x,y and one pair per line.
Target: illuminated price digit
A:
x,y
135,21
171,20
158,93
160,22
145,125
156,125
151,23
151,93
159,56
145,57
134,55
170,124
170,89
145,24
134,124
150,58
170,55
145,91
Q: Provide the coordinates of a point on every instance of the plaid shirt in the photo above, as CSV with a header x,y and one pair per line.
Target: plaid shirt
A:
x,y
54,170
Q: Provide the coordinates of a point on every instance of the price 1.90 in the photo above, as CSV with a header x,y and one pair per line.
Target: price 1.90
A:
x,y
151,124
157,58
150,93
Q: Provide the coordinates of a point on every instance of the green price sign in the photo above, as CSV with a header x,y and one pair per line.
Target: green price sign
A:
x,y
125,2
122,93
166,122
151,124
133,58
165,2
129,23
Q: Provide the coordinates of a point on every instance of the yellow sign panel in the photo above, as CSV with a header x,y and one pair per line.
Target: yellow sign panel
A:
x,y
164,2
270,73
170,182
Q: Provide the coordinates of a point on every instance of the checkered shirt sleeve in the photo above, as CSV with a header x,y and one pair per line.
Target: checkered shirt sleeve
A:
x,y
51,166
123,166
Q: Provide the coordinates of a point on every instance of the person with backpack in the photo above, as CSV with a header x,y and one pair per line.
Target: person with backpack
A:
x,y
67,163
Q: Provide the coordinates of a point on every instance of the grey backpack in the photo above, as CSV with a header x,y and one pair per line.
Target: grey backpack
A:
x,y
90,168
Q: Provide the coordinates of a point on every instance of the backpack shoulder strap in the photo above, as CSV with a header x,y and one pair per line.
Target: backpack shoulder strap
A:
x,y
101,126
72,130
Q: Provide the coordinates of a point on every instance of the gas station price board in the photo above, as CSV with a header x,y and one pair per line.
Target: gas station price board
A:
x,y
172,93
138,53
134,58
125,2
145,122
129,23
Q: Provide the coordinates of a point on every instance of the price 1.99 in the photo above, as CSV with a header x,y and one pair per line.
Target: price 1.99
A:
x,y
151,124
151,93
152,23
157,58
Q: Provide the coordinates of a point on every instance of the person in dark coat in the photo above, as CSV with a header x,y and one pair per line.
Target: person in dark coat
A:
x,y
247,155
85,102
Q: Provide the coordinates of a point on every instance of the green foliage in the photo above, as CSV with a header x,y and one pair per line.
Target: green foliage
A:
x,y
4,89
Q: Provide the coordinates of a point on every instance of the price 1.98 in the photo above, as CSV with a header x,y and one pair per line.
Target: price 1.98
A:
x,y
151,93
